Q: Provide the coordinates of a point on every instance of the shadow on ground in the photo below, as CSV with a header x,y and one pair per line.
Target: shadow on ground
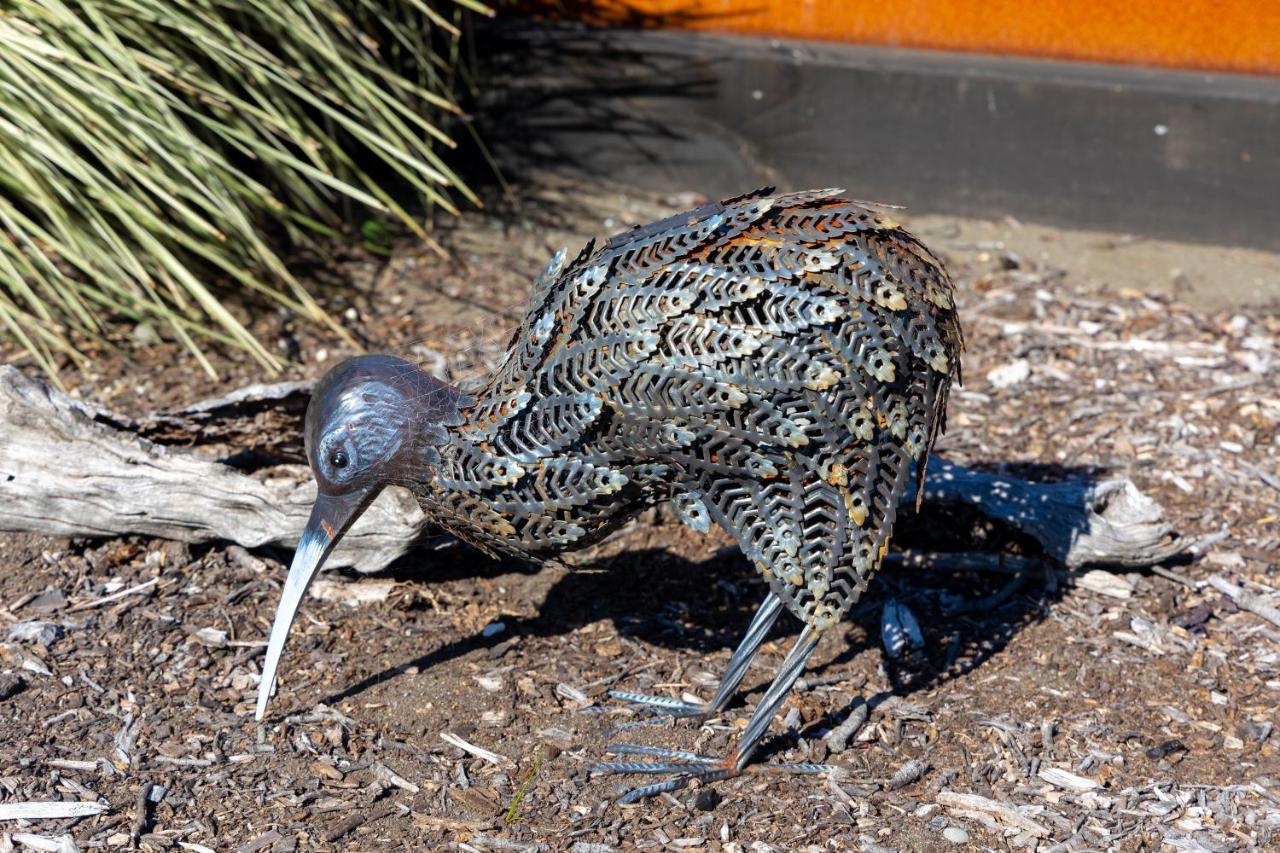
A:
x,y
698,607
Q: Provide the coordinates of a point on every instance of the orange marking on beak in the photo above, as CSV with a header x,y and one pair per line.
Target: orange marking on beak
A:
x,y
328,528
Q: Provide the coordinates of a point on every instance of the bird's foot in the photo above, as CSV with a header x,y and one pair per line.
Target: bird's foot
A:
x,y
686,767
660,708
662,705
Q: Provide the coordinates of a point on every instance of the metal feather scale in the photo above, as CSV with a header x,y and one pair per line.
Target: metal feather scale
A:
x,y
776,365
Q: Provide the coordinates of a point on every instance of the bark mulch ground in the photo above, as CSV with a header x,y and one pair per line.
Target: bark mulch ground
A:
x,y
457,703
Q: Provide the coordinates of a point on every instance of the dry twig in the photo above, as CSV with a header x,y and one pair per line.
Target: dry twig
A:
x,y
1255,604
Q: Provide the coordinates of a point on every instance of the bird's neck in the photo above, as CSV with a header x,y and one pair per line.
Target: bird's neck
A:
x,y
482,499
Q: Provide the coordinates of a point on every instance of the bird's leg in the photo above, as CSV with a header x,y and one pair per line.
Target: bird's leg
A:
x,y
733,675
688,766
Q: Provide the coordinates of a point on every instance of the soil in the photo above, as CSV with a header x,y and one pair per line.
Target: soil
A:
x,y
1143,719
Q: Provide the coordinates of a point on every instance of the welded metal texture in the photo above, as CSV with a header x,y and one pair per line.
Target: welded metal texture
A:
x,y
777,365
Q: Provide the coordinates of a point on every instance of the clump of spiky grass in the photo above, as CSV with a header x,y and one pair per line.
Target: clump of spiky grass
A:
x,y
146,144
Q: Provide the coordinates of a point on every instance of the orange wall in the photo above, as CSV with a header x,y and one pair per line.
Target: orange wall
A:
x,y
1234,35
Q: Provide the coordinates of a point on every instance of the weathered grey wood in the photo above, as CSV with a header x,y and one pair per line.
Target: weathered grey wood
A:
x,y
1079,523
1246,600
63,472
68,468
265,419
50,810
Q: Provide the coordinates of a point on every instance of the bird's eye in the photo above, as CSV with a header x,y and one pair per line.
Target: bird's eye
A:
x,y
338,459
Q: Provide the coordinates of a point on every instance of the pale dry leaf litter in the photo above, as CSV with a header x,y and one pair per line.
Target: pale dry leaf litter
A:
x,y
457,703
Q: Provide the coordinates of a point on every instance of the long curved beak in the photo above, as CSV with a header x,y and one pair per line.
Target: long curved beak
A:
x,y
330,517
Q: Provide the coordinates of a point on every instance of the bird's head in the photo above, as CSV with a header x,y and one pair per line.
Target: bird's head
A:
x,y
373,421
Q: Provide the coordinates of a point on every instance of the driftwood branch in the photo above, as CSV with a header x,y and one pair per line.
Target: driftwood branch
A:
x,y
68,468
66,472
262,419
1246,600
1079,523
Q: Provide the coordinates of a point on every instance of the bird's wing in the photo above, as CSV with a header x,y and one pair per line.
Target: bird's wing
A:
x,y
590,325
792,400
780,362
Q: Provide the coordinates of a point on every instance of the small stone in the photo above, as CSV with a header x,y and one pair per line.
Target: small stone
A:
x,y
48,601
1253,730
31,663
145,335
706,800
35,631
556,737
955,835
1166,749
495,719
1009,375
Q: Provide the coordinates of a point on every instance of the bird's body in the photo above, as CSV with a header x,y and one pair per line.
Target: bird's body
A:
x,y
776,365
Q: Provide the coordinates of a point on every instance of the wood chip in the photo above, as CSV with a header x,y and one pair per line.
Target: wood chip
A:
x,y
325,769
352,594
1006,814
1105,583
141,812
360,818
68,764
575,697
260,843
116,596
1135,640
478,752
1060,778
212,637
432,822
908,773
391,777
53,844
1255,604
50,810
837,739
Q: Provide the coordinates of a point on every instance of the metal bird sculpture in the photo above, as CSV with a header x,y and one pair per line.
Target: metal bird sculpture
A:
x,y
776,365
